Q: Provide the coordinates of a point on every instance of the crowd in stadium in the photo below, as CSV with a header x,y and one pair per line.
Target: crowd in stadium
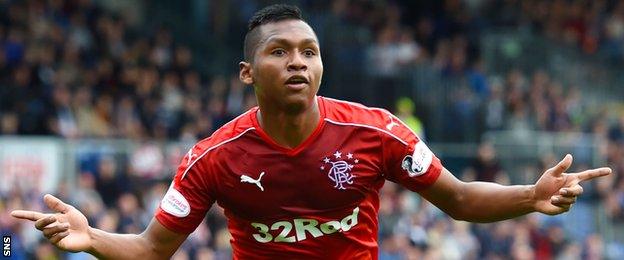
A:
x,y
593,26
72,69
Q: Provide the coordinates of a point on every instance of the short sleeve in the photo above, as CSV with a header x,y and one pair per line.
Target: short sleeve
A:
x,y
407,159
189,197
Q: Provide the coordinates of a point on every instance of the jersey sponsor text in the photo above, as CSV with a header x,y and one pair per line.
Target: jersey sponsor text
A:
x,y
303,226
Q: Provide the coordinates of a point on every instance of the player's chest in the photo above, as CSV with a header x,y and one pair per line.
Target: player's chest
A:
x,y
328,175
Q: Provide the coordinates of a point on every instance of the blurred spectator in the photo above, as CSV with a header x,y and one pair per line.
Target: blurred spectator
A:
x,y
63,121
486,167
405,111
495,107
9,123
110,184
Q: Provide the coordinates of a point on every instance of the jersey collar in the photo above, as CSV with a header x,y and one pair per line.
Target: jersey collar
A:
x,y
286,150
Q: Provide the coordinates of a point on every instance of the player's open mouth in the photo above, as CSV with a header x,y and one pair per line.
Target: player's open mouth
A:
x,y
297,82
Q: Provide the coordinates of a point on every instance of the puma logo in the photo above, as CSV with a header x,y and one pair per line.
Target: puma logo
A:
x,y
191,156
247,179
392,124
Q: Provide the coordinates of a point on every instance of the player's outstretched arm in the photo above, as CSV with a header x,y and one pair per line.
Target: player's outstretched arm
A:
x,y
69,230
554,193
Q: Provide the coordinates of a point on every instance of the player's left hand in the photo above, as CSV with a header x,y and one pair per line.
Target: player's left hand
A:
x,y
556,191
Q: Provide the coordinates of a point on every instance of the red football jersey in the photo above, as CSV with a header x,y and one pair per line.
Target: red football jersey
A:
x,y
319,199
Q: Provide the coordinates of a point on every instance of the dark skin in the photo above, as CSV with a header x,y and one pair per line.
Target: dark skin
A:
x,y
289,113
289,48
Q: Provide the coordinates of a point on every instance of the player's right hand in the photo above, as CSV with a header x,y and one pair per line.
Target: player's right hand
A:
x,y
67,229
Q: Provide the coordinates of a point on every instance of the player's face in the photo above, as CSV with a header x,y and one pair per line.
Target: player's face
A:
x,y
287,67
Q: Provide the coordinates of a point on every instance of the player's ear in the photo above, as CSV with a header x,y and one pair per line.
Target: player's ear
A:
x,y
245,73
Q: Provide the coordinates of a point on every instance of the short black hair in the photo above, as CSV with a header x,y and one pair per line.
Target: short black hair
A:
x,y
270,14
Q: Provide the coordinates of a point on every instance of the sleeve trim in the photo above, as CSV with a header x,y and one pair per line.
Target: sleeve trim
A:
x,y
163,218
432,175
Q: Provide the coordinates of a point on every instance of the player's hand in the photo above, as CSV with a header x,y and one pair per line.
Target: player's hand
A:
x,y
556,191
67,229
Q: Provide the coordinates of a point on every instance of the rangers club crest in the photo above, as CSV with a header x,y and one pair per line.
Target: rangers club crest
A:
x,y
339,168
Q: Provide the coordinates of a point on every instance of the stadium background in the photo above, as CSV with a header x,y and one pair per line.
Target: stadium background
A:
x,y
100,99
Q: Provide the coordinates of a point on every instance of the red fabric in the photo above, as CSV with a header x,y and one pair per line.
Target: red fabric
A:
x,y
322,197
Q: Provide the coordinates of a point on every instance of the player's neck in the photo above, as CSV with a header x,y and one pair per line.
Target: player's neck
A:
x,y
289,130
